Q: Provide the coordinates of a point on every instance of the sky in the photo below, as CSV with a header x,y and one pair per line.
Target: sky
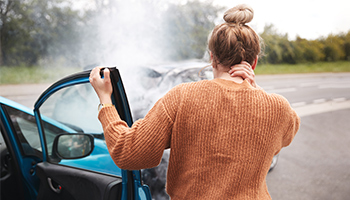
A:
x,y
309,19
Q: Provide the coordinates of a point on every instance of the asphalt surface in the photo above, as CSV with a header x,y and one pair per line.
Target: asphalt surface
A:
x,y
23,94
316,164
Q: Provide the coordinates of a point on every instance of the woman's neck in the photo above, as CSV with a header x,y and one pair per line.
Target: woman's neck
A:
x,y
225,75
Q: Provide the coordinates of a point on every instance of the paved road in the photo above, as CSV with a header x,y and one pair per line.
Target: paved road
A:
x,y
316,165
308,88
23,94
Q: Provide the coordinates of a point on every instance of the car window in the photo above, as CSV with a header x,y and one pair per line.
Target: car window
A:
x,y
26,131
74,109
2,142
1,138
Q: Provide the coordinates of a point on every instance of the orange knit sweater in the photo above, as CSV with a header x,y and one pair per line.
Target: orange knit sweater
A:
x,y
222,136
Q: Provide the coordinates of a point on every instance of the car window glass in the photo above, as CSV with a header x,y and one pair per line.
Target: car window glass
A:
x,y
51,131
26,130
1,139
2,142
73,109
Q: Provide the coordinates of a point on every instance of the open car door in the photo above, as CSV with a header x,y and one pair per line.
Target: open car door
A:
x,y
59,148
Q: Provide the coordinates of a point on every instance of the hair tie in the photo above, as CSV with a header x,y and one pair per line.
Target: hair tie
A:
x,y
234,24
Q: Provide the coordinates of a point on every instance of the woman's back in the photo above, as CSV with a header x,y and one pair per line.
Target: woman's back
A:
x,y
222,135
223,139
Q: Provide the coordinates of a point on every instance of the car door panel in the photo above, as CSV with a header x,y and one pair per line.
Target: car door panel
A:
x,y
62,182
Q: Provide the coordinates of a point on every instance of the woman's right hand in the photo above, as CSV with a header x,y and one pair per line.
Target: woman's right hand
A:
x,y
102,86
244,70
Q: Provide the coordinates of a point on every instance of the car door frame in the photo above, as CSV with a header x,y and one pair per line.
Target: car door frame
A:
x,y
132,187
24,165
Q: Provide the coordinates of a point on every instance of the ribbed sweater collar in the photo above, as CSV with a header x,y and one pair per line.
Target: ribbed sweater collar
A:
x,y
231,84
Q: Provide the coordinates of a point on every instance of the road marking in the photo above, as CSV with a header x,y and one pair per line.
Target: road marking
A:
x,y
339,99
284,90
340,86
298,104
303,85
268,88
319,100
319,108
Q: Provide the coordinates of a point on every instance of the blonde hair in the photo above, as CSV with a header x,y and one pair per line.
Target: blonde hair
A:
x,y
233,41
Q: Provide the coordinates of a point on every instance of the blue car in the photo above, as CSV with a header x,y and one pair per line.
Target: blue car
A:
x,y
58,151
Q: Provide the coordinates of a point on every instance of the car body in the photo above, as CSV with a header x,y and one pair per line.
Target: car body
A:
x,y
153,81
41,157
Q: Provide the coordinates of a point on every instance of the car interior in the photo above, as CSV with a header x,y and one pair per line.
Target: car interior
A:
x,y
10,181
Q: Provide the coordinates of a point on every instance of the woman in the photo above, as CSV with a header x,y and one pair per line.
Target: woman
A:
x,y
222,133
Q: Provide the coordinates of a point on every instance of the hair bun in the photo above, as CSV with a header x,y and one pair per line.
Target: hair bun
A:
x,y
240,14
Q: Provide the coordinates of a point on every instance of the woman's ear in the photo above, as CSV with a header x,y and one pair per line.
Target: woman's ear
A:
x,y
255,62
212,60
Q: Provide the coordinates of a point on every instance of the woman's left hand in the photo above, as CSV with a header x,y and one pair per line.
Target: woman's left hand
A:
x,y
245,71
103,87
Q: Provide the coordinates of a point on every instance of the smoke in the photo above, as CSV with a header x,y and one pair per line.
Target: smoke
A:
x,y
132,35
129,35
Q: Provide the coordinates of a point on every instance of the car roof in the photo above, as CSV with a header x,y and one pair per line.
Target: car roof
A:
x,y
16,105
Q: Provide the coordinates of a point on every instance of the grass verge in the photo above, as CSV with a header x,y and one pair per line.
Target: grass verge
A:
x,y
319,67
26,75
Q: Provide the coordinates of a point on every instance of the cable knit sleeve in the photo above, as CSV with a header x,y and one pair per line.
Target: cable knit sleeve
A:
x,y
293,127
290,121
142,145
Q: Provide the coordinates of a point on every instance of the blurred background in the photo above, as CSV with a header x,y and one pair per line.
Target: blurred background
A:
x,y
306,58
38,37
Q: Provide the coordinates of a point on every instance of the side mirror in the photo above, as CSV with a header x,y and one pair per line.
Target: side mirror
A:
x,y
73,146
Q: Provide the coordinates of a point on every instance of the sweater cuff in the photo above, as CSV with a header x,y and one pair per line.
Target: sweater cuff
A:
x,y
107,115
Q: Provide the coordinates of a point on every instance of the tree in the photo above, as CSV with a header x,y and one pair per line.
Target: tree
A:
x,y
273,51
5,7
346,46
33,29
308,50
187,28
333,48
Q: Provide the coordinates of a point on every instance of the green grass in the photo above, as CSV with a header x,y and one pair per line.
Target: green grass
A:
x,y
25,75
319,67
